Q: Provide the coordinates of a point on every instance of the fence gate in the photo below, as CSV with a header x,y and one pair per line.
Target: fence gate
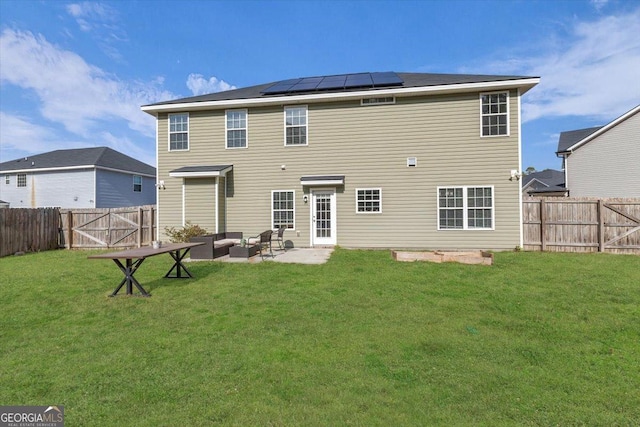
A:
x,y
108,228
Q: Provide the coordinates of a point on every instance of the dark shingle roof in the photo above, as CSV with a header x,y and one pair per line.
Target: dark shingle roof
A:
x,y
410,80
97,156
549,177
569,138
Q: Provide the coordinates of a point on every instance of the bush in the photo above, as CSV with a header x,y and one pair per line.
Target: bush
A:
x,y
184,234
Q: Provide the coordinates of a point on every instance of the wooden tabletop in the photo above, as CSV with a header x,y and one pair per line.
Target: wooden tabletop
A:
x,y
146,251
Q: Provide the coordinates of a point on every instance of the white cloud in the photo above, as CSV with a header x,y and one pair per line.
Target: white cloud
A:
x,y
102,22
594,73
72,92
599,4
199,85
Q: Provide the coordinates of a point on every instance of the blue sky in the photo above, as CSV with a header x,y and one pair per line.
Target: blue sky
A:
x,y
74,74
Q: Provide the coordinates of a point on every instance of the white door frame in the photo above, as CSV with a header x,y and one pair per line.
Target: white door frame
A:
x,y
333,229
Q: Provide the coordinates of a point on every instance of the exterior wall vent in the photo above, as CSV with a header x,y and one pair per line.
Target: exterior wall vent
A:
x,y
378,101
412,162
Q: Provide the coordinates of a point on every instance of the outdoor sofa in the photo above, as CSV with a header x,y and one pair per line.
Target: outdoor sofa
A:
x,y
216,245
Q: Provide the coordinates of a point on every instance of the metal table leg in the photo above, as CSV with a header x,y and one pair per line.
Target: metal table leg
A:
x,y
178,265
129,279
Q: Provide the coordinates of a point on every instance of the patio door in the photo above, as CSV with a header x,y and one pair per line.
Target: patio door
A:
x,y
323,217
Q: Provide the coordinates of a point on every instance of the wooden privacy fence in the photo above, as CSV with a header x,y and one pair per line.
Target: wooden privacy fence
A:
x,y
108,228
581,225
28,230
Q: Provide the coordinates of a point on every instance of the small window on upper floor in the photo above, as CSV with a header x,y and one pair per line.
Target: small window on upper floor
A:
x,y
7,179
178,131
22,180
236,128
494,114
137,183
295,124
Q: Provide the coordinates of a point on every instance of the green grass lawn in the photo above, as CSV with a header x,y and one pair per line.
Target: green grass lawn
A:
x,y
536,339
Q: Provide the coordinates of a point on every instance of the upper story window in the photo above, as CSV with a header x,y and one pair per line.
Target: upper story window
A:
x,y
283,208
7,179
237,129
22,180
465,208
179,131
295,125
137,183
495,114
369,200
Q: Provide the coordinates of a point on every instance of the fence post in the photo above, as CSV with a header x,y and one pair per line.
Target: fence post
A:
x,y
600,225
69,229
152,224
543,225
140,224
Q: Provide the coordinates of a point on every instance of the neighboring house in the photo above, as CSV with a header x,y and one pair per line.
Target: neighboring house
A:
x,y
545,183
4,204
79,178
603,161
373,160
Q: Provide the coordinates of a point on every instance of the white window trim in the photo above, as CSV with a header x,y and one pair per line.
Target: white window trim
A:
x,y
379,201
465,208
285,125
508,114
169,132
294,206
369,102
246,129
134,183
7,179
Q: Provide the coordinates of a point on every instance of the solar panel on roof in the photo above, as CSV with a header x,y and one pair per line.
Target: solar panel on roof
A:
x,y
340,81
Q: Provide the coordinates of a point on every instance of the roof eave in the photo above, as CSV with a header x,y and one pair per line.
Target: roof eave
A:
x,y
524,85
602,130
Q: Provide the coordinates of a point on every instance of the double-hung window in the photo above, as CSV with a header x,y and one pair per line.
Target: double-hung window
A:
x,y
368,200
236,128
22,180
465,208
7,179
179,131
283,208
137,183
495,114
295,124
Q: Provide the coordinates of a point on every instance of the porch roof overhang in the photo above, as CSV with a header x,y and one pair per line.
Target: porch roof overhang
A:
x,y
314,180
201,171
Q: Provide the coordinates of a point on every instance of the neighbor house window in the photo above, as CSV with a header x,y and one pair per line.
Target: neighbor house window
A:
x,y
137,183
22,180
295,119
495,114
236,129
465,208
369,200
283,209
179,131
7,179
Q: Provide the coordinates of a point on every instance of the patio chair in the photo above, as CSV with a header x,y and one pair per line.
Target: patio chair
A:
x,y
280,238
262,241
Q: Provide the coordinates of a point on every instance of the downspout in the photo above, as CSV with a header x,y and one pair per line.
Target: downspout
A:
x,y
521,244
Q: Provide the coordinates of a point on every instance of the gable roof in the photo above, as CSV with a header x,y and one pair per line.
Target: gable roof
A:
x,y
411,84
549,178
98,157
571,140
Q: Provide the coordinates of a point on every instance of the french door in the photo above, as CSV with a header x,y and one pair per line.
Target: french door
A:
x,y
323,217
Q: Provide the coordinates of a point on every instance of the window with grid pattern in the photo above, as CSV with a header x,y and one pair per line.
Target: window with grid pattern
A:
x,y
179,131
237,129
283,209
368,200
137,183
465,208
495,114
295,125
22,180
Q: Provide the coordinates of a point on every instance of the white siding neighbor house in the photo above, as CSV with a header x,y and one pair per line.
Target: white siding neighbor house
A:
x,y
79,178
603,161
369,160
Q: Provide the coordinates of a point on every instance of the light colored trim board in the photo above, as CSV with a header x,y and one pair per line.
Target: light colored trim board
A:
x,y
520,207
204,174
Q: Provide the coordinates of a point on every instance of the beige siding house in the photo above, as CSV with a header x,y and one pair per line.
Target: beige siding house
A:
x,y
367,160
603,161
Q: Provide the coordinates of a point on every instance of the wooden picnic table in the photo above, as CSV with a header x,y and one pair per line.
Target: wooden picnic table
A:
x,y
135,257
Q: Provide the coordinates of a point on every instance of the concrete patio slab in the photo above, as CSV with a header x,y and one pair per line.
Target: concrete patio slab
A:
x,y
292,256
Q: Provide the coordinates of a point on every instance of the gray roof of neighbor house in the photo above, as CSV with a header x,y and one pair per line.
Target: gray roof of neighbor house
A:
x,y
103,157
408,80
570,138
548,179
